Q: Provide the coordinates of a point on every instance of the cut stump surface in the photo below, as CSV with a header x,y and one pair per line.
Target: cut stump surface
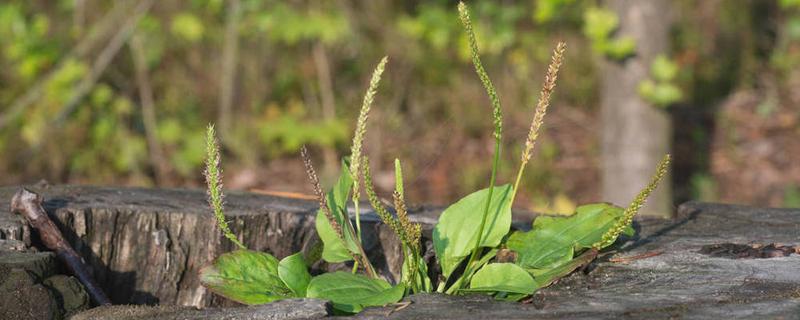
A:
x,y
146,246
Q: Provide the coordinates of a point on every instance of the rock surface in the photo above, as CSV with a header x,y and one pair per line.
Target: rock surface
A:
x,y
146,246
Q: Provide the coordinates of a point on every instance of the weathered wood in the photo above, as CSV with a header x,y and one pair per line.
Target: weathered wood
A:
x,y
29,205
280,310
148,245
679,283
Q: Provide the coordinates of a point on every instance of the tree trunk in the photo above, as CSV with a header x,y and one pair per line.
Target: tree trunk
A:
x,y
636,134
230,55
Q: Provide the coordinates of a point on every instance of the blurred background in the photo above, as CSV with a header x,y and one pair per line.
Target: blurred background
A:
x,y
120,93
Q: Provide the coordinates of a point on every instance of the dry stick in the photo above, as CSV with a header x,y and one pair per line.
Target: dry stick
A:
x,y
29,204
104,59
155,152
99,31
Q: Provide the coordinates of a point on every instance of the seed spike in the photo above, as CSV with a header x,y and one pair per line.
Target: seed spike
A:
x,y
497,114
627,217
213,175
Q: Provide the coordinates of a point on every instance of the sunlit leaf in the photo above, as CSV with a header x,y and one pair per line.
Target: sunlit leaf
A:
x,y
503,277
334,249
352,292
554,240
293,271
456,233
245,276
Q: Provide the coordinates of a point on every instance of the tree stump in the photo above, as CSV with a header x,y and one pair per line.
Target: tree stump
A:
x,y
146,246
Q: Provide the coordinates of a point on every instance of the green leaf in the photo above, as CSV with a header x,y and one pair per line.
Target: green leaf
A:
x,y
599,22
663,69
187,26
546,277
245,276
456,233
621,48
293,271
554,240
352,292
334,249
503,277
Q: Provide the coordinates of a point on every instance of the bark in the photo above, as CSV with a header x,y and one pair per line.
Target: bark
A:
x,y
29,205
147,246
636,134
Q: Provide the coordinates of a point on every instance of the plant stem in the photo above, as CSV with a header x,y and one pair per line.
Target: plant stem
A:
x,y
492,181
516,182
358,219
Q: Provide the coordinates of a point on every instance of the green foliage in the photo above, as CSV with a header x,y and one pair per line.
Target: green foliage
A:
x,y
352,292
555,240
661,90
547,10
503,278
456,232
289,131
599,25
188,27
286,24
245,276
336,250
293,271
791,197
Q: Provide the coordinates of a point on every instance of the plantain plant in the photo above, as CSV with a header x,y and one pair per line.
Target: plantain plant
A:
x,y
467,238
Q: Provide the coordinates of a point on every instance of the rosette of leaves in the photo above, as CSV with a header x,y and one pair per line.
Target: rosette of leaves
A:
x,y
466,239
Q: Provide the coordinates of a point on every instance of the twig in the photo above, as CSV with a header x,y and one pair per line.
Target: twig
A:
x,y
29,204
636,257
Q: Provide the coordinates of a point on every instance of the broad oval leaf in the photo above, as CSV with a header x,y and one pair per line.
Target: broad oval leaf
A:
x,y
503,277
456,232
245,276
294,273
553,241
352,292
334,250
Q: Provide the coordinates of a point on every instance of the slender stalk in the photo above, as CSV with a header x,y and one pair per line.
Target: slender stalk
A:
x,y
358,139
498,126
361,256
541,109
627,216
213,175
